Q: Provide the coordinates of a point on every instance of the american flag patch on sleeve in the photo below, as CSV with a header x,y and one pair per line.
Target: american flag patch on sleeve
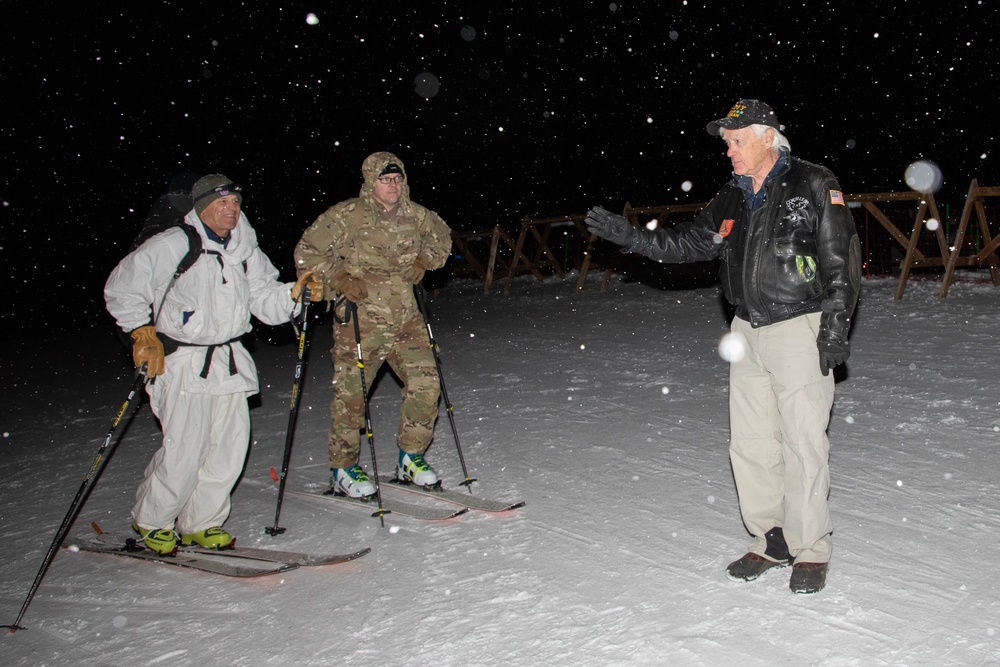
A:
x,y
836,197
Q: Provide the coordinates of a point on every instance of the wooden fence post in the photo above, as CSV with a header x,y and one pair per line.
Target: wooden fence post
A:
x,y
987,254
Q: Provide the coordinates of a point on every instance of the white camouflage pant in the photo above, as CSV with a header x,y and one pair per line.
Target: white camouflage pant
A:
x,y
205,442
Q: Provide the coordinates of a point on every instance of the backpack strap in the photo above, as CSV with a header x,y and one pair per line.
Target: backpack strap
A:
x,y
194,249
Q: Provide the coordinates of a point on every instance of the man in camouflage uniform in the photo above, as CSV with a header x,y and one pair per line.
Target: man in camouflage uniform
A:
x,y
371,250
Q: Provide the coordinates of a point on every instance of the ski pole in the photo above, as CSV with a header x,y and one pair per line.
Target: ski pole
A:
x,y
352,310
293,409
95,470
422,306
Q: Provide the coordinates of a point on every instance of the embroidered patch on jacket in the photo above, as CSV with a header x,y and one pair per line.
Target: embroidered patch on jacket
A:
x,y
806,266
796,207
837,197
726,227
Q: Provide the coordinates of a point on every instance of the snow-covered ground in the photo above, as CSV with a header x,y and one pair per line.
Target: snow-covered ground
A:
x,y
607,414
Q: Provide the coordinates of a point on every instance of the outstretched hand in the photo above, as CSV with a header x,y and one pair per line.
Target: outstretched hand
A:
x,y
607,225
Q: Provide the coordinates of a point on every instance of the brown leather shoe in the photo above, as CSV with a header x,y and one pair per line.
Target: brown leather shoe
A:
x,y
751,566
808,577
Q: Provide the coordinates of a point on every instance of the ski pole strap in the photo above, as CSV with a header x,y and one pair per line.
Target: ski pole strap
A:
x,y
347,310
171,345
298,321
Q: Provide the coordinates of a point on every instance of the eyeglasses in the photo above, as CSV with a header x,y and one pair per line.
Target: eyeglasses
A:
x,y
391,180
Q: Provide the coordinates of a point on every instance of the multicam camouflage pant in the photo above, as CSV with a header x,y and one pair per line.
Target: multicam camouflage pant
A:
x,y
410,356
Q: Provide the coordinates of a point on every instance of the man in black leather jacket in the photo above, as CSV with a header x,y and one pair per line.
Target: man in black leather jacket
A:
x,y
791,267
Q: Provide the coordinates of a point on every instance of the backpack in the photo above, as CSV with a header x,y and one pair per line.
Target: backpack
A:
x,y
194,242
168,212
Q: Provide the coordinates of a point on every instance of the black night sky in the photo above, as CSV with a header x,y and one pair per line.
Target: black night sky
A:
x,y
540,109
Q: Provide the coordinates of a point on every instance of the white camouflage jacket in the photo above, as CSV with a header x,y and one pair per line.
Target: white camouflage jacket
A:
x,y
209,305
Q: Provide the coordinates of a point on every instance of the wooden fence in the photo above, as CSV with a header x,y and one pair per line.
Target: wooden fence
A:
x,y
494,255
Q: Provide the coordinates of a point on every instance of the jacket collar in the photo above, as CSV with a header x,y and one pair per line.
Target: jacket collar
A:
x,y
745,183
212,236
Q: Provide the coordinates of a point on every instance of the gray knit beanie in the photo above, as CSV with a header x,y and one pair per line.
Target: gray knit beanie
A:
x,y
211,187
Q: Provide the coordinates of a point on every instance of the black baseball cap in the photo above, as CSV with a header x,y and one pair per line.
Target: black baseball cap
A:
x,y
744,114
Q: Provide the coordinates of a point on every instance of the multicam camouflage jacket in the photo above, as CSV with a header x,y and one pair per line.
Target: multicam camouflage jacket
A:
x,y
358,236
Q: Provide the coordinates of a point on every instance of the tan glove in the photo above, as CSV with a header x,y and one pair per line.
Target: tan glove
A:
x,y
353,288
147,348
308,280
420,266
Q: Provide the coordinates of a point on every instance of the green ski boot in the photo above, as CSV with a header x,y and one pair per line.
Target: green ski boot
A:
x,y
210,538
160,540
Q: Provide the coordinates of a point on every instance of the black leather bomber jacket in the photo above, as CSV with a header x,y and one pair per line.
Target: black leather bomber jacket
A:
x,y
799,252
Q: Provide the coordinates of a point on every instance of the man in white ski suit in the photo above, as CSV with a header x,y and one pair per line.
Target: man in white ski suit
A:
x,y
199,390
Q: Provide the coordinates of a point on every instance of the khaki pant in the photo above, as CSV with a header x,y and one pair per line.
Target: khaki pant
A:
x,y
779,409
408,351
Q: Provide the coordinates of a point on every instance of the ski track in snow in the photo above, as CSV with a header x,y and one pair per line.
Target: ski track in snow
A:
x,y
608,414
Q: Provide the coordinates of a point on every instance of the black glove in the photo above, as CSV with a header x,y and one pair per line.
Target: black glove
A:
x,y
607,225
832,354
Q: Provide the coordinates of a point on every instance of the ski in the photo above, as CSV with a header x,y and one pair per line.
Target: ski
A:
x,y
298,558
390,506
456,497
226,566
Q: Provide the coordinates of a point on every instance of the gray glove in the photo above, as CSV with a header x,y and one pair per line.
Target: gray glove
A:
x,y
614,228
